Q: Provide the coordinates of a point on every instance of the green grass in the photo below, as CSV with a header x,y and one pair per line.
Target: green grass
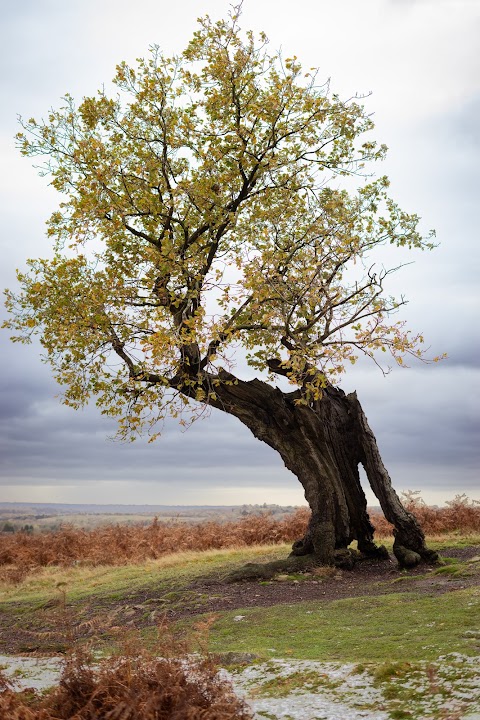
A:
x,y
396,639
81,582
369,629
438,542
84,581
305,680
413,690
384,628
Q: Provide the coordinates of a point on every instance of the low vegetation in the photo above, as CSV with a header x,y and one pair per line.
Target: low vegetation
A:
x,y
170,685
460,515
411,636
369,629
117,545
22,552
73,590
45,517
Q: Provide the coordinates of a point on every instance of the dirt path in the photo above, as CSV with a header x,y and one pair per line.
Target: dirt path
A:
x,y
50,628
367,578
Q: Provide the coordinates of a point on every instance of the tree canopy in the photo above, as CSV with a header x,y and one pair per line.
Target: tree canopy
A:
x,y
205,209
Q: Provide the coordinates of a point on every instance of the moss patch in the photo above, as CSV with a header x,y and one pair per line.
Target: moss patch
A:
x,y
302,680
369,629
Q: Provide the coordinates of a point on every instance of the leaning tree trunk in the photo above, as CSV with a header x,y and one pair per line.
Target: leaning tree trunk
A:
x,y
323,445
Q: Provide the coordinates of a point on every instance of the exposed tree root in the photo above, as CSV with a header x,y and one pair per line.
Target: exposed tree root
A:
x,y
344,558
409,558
266,571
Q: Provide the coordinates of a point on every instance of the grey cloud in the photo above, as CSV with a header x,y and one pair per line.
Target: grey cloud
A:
x,y
84,452
419,421
406,4
425,418
466,356
38,435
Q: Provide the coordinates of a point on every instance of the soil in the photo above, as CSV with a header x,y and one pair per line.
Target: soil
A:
x,y
53,626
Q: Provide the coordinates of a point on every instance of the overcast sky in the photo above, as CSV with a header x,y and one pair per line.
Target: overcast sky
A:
x,y
420,60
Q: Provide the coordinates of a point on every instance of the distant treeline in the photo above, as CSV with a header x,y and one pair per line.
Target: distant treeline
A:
x,y
21,509
28,518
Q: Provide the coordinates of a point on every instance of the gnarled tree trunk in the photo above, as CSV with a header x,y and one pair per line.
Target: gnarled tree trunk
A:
x,y
323,445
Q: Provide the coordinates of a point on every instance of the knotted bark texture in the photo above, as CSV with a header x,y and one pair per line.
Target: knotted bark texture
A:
x,y
323,445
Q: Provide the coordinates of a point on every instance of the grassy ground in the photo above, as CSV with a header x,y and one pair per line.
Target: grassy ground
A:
x,y
82,582
397,617
371,629
392,627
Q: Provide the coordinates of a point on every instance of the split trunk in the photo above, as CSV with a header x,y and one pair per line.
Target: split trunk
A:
x,y
323,445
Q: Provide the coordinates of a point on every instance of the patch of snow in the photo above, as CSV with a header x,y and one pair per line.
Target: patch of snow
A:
x,y
344,693
305,703
39,673
284,689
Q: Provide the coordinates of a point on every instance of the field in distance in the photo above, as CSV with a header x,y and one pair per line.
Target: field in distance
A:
x,y
51,516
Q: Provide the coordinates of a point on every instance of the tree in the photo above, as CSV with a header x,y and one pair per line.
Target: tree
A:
x,y
205,208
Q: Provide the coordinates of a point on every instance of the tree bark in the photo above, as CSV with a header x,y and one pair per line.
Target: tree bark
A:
x,y
323,445
409,545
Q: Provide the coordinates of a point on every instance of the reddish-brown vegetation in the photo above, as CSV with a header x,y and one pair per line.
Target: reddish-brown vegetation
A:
x,y
459,515
116,545
134,686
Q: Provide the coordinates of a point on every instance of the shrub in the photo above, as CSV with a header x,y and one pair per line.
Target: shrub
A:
x,y
117,545
459,515
134,686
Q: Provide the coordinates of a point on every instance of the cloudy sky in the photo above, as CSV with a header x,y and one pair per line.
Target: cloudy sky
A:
x,y
420,60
